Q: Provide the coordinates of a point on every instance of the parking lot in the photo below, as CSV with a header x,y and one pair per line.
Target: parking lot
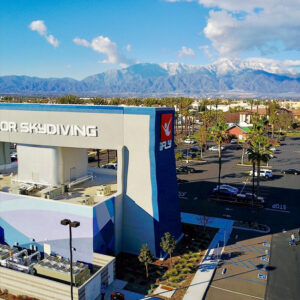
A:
x,y
244,269
282,193
281,211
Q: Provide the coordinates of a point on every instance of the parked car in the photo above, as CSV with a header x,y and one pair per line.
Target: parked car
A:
x,y
248,196
189,155
185,170
113,166
291,171
226,189
233,141
179,181
265,173
215,148
14,156
189,141
273,149
195,148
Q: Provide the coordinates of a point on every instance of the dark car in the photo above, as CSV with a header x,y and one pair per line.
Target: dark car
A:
x,y
189,155
291,171
117,296
185,170
179,181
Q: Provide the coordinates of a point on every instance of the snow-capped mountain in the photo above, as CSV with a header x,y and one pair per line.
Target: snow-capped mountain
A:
x,y
251,77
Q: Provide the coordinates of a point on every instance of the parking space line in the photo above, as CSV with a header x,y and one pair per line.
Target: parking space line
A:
x,y
238,293
245,246
241,278
257,250
242,263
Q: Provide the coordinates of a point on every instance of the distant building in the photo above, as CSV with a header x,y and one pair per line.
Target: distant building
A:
x,y
239,132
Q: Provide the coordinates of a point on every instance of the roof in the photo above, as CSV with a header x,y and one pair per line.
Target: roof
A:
x,y
260,111
245,129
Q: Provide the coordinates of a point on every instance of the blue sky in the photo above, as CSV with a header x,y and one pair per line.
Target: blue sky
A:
x,y
64,38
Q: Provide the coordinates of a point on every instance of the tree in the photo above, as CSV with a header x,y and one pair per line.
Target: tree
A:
x,y
219,134
168,244
201,138
69,99
145,257
259,150
272,120
204,220
251,101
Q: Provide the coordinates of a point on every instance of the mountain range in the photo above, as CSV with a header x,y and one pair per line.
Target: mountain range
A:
x,y
226,78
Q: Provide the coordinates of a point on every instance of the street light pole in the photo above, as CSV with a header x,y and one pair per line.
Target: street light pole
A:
x,y
71,260
71,224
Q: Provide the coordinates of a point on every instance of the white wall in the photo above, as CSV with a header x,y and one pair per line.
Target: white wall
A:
x,y
50,165
38,164
4,153
138,224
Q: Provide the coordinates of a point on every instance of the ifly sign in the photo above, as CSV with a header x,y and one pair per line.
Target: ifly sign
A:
x,y
166,131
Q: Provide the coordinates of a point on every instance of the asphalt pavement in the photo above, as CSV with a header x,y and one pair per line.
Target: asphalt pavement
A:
x,y
281,211
284,280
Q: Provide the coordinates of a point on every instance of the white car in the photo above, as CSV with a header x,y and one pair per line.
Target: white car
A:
x,y
233,141
273,149
189,141
266,173
215,148
226,189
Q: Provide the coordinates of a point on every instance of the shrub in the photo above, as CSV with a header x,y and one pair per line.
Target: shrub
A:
x,y
186,256
186,270
173,272
189,265
181,277
173,279
192,260
182,261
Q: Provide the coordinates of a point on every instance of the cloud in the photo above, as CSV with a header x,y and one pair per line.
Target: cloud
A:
x,y
105,46
236,26
180,0
207,50
128,47
81,42
40,27
229,65
185,51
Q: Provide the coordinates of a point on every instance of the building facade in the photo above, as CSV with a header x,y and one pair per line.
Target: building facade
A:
x,y
144,205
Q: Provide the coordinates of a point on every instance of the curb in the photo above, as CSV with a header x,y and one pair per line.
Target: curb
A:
x,y
244,165
254,230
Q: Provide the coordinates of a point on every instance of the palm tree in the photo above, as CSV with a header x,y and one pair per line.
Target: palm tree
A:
x,y
257,102
259,150
251,101
219,134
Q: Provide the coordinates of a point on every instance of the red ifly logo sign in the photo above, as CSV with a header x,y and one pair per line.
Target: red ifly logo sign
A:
x,y
166,128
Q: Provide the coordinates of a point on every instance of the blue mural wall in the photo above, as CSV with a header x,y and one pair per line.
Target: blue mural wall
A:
x,y
36,221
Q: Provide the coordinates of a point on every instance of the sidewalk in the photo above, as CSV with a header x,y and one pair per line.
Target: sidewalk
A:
x,y
206,270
